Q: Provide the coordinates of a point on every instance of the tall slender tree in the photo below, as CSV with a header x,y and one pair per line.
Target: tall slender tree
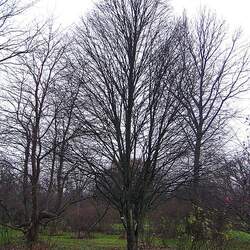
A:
x,y
27,114
128,53
215,70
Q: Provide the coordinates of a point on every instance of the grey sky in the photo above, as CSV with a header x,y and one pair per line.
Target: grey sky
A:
x,y
236,14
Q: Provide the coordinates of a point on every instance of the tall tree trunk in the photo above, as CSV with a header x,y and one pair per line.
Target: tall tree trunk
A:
x,y
132,232
52,172
33,231
25,181
60,182
132,239
196,181
196,173
32,235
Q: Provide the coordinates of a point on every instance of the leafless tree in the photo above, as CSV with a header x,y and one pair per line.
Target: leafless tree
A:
x,y
215,70
235,185
129,65
14,38
38,120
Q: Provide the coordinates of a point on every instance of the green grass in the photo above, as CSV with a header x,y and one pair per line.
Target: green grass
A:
x,y
66,241
100,241
238,241
239,236
8,236
169,242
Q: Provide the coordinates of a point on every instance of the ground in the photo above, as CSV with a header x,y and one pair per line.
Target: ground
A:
x,y
13,240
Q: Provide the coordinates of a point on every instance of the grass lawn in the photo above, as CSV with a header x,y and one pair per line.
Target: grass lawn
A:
x,y
239,241
100,241
9,236
65,241
240,236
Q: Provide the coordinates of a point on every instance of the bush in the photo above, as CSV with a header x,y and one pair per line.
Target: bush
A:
x,y
205,230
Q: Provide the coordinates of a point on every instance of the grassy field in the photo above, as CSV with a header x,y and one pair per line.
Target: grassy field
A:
x,y
8,236
99,241
239,241
64,241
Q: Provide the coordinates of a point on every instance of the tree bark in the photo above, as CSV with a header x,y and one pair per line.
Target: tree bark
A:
x,y
132,231
25,181
32,234
132,239
196,173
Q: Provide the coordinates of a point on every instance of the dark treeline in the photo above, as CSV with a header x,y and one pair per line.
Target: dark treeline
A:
x,y
128,109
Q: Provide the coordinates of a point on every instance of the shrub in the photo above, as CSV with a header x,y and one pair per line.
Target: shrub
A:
x,y
205,230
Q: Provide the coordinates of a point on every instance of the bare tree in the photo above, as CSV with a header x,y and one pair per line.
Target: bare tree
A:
x,y
235,185
215,70
14,39
37,114
128,69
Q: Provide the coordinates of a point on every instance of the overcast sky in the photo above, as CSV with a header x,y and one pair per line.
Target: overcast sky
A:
x,y
236,14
